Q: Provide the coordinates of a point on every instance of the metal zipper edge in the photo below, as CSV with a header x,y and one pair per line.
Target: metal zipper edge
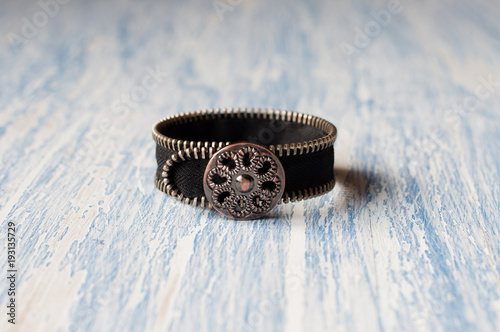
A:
x,y
166,184
280,150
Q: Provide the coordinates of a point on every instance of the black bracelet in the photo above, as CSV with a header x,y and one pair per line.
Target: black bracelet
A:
x,y
243,162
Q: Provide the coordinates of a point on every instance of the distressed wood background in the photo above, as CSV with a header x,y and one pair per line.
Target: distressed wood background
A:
x,y
407,241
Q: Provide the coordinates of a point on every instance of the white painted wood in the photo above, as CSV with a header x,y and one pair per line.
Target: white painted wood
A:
x,y
407,241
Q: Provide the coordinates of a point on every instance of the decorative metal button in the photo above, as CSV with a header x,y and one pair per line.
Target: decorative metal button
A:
x,y
244,181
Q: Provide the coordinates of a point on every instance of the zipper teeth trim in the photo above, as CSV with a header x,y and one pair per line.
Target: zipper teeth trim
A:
x,y
166,183
300,195
280,150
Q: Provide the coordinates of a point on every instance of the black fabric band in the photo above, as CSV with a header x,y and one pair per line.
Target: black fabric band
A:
x,y
302,171
260,131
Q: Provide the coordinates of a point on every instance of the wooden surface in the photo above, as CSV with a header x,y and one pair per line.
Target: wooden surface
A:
x,y
407,241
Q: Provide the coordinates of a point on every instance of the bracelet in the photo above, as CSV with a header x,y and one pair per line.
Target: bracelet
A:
x,y
243,162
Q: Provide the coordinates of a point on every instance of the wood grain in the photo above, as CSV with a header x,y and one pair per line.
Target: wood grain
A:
x,y
409,240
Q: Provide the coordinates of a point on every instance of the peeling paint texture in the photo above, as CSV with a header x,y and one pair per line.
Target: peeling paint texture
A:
x,y
409,239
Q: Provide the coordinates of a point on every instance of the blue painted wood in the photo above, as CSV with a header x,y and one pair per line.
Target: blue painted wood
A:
x,y
407,241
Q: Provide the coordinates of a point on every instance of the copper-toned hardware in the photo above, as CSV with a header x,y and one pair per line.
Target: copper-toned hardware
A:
x,y
244,181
